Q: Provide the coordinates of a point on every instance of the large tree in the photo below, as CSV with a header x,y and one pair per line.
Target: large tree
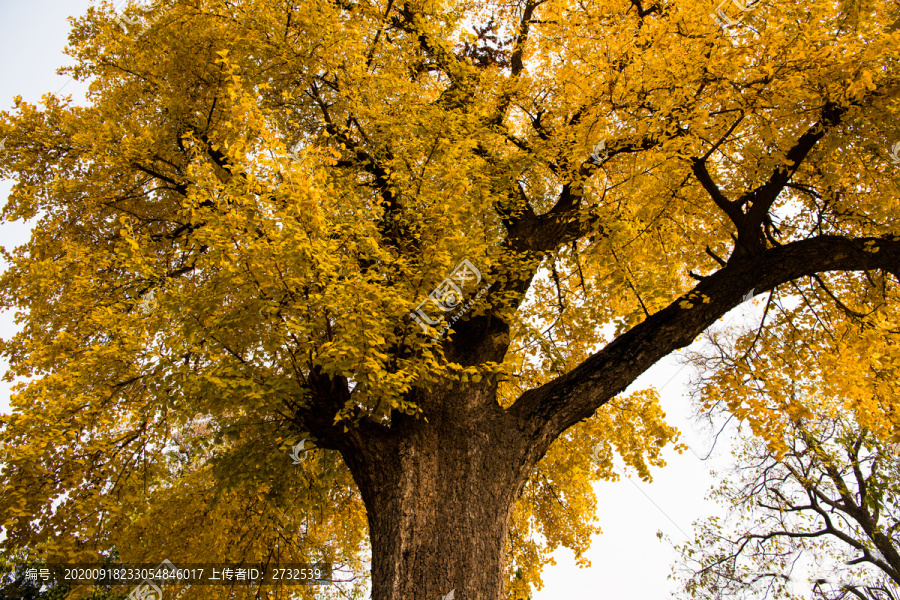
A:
x,y
234,241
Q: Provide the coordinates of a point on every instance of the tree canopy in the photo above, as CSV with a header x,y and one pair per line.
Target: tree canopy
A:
x,y
436,240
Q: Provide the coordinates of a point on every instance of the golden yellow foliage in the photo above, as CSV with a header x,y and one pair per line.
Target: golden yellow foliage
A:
x,y
230,241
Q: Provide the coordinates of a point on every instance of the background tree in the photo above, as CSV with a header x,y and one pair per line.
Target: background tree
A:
x,y
832,496
230,240
808,479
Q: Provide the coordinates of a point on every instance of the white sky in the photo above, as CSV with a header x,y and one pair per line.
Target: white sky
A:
x,y
628,561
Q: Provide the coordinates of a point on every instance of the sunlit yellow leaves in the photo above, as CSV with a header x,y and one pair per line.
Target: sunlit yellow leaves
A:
x,y
814,360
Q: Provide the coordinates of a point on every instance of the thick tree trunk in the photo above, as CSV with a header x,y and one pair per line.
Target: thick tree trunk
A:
x,y
439,496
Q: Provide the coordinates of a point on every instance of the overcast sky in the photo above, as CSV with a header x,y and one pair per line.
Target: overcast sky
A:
x,y
628,561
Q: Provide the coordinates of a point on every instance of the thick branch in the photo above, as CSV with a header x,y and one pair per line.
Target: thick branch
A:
x,y
750,223
547,411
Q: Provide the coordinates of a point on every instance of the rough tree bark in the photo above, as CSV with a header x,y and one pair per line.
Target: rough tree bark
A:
x,y
439,497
